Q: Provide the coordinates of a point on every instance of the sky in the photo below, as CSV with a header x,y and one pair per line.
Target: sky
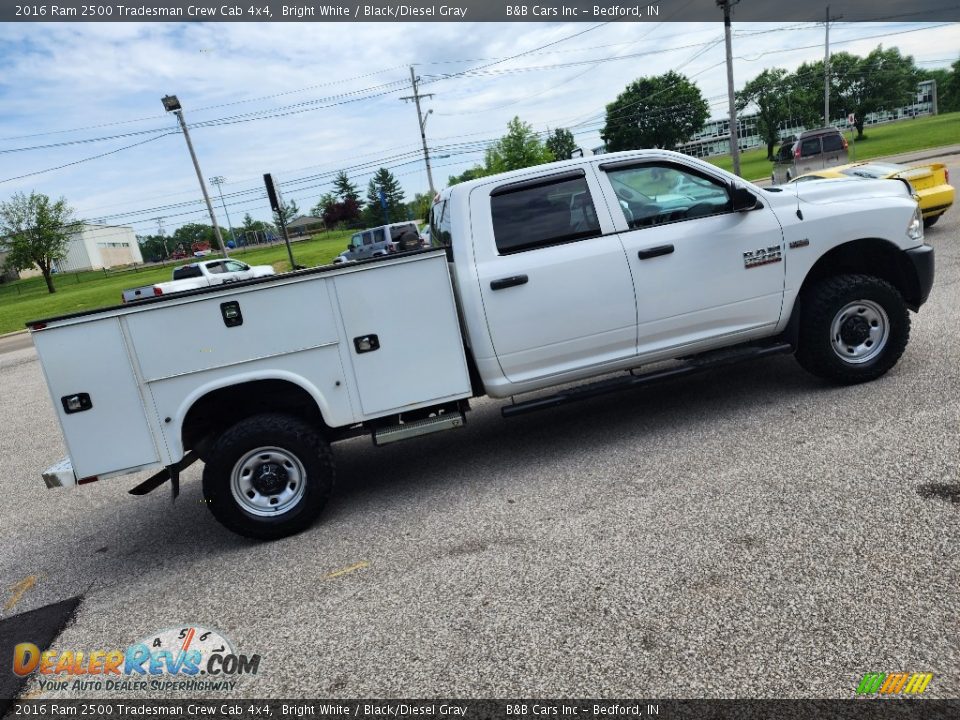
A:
x,y
303,100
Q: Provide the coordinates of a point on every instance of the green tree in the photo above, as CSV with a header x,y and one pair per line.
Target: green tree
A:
x,y
561,144
420,206
153,248
659,111
288,212
951,90
186,236
519,148
254,226
769,93
343,188
883,80
477,171
35,231
383,180
326,201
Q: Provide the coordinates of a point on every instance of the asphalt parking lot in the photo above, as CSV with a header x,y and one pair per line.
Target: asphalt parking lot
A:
x,y
752,532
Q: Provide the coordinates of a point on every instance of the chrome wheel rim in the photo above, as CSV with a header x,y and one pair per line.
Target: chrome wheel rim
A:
x,y
859,332
268,481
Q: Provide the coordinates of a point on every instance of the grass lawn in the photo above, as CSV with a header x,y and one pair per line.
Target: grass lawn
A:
x,y
25,300
887,139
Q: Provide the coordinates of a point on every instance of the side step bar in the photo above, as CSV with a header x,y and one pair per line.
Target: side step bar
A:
x,y
693,365
447,421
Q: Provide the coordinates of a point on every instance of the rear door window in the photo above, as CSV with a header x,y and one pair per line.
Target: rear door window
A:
x,y
531,215
832,143
379,235
187,271
810,147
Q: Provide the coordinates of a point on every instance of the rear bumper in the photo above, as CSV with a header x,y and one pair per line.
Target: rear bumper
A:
x,y
921,259
60,475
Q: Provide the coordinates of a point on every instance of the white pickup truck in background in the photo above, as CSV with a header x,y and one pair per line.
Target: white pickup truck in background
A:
x,y
541,277
200,274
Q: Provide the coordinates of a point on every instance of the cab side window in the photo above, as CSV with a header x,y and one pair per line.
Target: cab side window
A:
x,y
810,147
367,239
548,211
657,193
378,235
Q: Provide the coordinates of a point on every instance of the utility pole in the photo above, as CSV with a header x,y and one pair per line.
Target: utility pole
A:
x,y
218,180
171,104
826,70
422,119
734,142
163,237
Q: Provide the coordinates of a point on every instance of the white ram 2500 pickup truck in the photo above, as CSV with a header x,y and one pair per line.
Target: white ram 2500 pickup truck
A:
x,y
539,278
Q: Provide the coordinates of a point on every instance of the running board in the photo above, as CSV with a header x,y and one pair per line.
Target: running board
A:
x,y
393,433
695,364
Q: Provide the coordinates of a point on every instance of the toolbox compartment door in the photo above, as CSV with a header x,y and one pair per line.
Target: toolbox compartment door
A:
x,y
419,356
91,359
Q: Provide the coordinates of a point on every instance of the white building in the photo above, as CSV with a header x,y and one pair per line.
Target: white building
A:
x,y
93,247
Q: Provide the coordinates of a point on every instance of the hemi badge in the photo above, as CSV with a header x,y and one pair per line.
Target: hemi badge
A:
x,y
799,243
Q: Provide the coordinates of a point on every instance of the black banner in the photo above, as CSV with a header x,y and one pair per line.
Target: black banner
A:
x,y
435,709
590,11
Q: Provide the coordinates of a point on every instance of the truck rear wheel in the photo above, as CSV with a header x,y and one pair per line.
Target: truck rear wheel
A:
x,y
853,328
268,476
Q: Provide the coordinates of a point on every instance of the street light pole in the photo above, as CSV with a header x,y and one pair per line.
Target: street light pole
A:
x,y
218,180
171,104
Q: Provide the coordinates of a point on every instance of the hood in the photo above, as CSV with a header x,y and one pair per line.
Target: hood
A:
x,y
827,191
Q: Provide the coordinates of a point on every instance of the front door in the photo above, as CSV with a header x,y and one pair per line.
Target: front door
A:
x,y
702,272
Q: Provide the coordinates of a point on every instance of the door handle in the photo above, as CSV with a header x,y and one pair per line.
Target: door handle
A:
x,y
655,252
508,282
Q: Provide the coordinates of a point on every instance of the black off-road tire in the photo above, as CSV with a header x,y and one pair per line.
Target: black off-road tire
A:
x,y
285,441
821,307
931,221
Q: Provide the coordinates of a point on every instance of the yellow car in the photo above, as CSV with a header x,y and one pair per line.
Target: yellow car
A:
x,y
929,182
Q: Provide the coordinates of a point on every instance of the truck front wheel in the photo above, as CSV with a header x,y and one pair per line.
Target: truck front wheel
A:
x,y
853,328
268,476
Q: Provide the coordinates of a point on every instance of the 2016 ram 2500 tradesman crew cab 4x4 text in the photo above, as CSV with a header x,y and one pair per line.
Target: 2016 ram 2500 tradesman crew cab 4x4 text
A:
x,y
541,277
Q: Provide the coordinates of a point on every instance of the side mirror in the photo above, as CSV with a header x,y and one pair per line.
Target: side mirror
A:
x,y
744,200
349,246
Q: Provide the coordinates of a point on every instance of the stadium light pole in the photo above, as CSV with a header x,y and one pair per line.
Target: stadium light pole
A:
x,y
171,104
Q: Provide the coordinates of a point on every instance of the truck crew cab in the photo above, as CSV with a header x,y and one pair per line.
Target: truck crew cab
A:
x,y
538,278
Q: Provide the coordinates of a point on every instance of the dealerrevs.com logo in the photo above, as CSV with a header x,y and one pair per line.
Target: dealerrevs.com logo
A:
x,y
187,658
894,683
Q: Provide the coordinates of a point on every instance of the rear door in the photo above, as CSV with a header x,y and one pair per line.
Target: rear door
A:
x,y
554,281
811,156
834,150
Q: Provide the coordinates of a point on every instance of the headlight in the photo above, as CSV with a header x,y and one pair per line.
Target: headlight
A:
x,y
915,228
